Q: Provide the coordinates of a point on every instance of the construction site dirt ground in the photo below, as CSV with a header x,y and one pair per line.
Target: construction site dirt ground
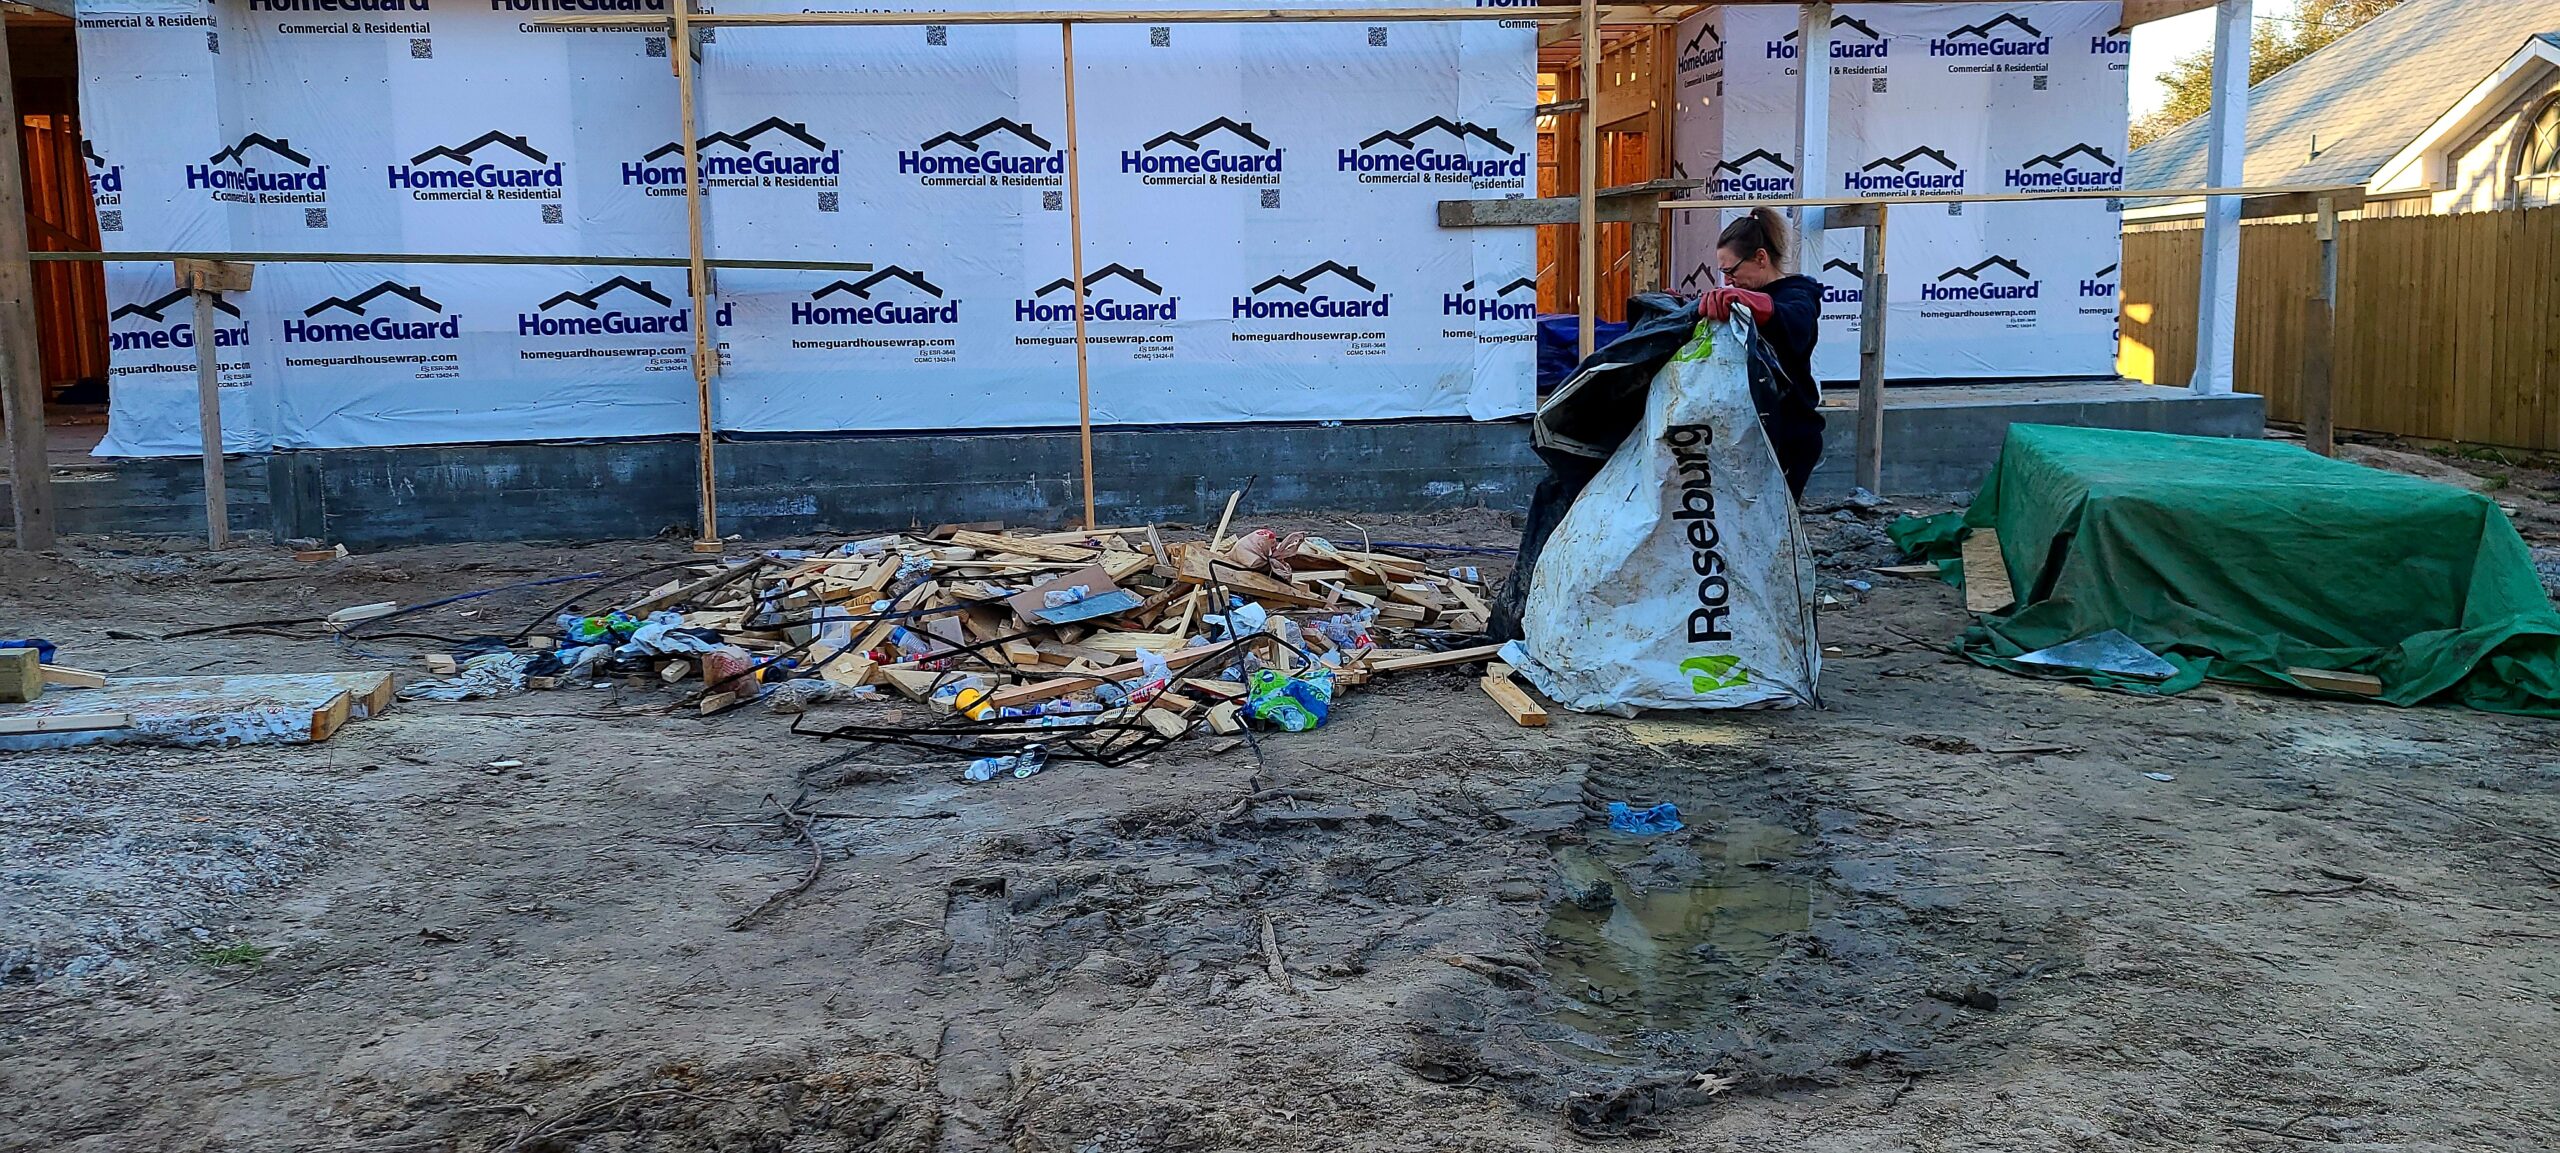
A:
x,y
1953,909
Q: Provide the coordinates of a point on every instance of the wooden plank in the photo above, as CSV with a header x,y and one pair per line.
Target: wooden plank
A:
x,y
1986,574
1436,660
1075,251
65,723
993,544
1218,539
1166,723
1060,686
217,506
665,598
1225,718
1526,713
2336,681
329,717
1196,569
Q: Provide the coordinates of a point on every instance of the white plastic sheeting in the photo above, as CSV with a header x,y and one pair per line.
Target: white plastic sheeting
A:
x,y
1929,99
1680,578
1260,239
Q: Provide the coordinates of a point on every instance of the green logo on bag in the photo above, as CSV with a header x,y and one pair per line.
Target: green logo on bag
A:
x,y
1699,347
1711,674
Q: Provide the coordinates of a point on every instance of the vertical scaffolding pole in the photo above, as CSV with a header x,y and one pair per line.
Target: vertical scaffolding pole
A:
x,y
697,276
1587,196
1075,273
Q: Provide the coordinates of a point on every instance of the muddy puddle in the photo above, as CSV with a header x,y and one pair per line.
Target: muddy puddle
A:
x,y
1665,933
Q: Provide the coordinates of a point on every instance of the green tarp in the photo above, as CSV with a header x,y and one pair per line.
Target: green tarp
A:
x,y
2238,559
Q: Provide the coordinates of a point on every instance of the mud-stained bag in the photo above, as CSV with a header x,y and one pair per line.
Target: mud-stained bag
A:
x,y
1680,578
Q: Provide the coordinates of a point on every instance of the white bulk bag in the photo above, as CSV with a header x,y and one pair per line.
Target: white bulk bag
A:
x,y
1679,579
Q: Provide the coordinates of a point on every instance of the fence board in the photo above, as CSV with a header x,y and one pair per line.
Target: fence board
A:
x,y
2448,327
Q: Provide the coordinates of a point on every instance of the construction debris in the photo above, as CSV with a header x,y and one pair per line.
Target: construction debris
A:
x,y
1117,635
241,709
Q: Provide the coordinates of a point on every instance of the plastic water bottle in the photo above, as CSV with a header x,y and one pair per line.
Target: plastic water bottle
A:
x,y
1034,758
986,768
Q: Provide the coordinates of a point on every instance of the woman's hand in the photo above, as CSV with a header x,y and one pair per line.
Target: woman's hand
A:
x,y
1717,304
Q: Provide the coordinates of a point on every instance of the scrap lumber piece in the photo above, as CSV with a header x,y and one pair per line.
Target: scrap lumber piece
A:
x,y
63,723
1166,723
1224,719
21,675
440,664
1196,569
1526,713
1436,660
71,678
1986,574
1218,539
1909,570
1025,546
1038,691
665,597
358,614
239,709
2337,681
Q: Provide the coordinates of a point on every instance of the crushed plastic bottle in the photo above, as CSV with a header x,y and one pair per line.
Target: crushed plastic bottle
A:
x,y
986,768
1034,758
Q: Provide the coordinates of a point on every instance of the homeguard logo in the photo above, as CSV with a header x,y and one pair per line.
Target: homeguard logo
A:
x,y
106,181
1856,293
232,175
1994,37
1504,303
168,333
971,159
1862,42
458,175
2057,172
1401,157
2009,281
817,310
745,163
577,5
1101,308
1321,306
338,5
2101,285
1704,50
368,327
1748,175
588,313
1696,280
1922,169
1185,161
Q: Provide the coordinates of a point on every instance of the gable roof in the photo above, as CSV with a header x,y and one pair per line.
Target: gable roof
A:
x,y
2365,97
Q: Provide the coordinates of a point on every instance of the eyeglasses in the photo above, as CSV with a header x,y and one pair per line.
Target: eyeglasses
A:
x,y
1725,271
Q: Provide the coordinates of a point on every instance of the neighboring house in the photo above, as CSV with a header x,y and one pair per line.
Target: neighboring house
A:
x,y
2435,106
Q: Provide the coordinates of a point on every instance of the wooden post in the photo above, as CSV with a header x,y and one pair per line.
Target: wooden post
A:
x,y
1645,236
205,281
2226,155
1587,235
2319,352
1813,130
1075,273
1871,314
697,276
21,368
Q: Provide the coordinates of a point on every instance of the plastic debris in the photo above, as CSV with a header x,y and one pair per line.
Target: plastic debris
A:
x,y
1295,704
2110,652
1662,818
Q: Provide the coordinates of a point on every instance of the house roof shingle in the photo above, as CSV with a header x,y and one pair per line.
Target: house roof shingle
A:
x,y
2363,98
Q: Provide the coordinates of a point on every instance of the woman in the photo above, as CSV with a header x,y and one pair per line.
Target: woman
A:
x,y
1787,311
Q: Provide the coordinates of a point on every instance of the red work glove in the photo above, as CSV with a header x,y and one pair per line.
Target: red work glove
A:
x,y
1717,304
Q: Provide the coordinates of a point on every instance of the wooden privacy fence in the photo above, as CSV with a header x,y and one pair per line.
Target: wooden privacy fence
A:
x,y
2448,327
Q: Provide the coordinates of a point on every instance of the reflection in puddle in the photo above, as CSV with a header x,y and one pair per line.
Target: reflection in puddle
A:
x,y
1687,922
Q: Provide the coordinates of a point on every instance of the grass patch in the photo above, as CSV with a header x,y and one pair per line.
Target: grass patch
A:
x,y
235,953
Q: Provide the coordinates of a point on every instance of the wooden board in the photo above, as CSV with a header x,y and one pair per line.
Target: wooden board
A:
x,y
71,678
2336,681
1196,569
1060,686
245,709
65,723
1526,713
1986,574
992,545
21,675
1436,660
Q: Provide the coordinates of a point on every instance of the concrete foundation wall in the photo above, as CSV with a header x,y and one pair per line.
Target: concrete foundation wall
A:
x,y
1938,440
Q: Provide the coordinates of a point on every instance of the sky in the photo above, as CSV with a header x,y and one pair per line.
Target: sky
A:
x,y
2161,41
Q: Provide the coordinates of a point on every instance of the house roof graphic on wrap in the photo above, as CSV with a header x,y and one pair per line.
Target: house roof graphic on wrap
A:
x,y
2057,159
587,300
1298,283
1735,164
969,139
1860,26
276,146
1849,267
1461,129
1974,271
1706,32
740,140
863,287
1241,130
1902,162
1136,276
1984,29
1505,290
89,152
2109,270
154,310
461,153
355,304
1695,276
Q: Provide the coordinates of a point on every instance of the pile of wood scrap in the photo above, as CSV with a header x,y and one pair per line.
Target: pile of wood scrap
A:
x,y
240,709
972,620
